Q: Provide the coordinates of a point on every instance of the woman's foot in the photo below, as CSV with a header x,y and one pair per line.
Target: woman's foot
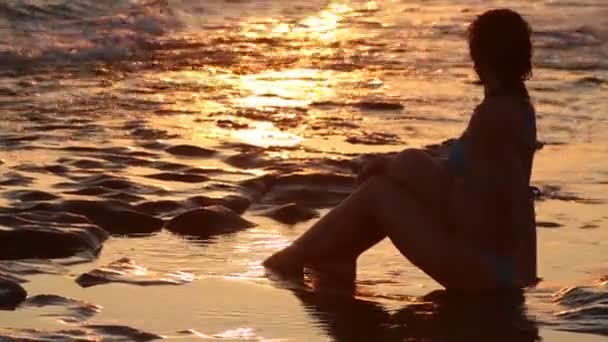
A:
x,y
287,262
334,275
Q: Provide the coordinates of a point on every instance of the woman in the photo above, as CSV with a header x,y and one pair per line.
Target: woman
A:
x,y
466,219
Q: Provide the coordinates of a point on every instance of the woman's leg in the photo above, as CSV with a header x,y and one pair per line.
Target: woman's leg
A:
x,y
381,207
414,169
335,240
422,176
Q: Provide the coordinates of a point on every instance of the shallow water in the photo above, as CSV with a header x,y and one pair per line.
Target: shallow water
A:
x,y
141,101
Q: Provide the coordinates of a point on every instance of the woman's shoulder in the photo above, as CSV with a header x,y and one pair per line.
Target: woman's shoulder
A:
x,y
504,111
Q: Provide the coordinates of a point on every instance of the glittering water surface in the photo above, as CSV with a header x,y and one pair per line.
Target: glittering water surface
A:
x,y
114,89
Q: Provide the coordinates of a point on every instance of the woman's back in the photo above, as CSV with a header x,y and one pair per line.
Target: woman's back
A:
x,y
500,142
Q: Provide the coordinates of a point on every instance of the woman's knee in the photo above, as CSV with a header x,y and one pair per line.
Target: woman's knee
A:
x,y
412,160
412,166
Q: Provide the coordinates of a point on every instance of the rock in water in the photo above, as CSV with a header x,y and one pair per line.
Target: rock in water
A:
x,y
66,310
46,243
11,294
128,272
114,217
291,213
190,151
123,333
207,222
171,208
236,203
43,235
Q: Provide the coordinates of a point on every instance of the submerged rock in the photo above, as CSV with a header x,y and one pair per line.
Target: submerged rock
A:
x,y
374,105
46,243
313,190
114,217
190,151
585,306
207,222
182,177
31,195
72,310
36,235
11,293
126,271
123,332
235,203
91,332
291,213
374,138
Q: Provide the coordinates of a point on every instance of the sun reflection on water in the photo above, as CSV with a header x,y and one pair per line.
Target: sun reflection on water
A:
x,y
263,108
287,88
323,26
265,134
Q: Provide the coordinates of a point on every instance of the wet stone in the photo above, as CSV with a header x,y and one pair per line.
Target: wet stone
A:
x,y
291,213
122,332
46,243
547,224
179,177
313,190
53,168
165,208
31,196
249,160
153,145
54,217
160,208
190,151
374,138
236,203
41,234
73,310
90,191
88,164
123,196
591,80
207,222
18,269
555,192
585,306
126,271
20,335
15,179
372,105
231,124
113,216
11,293
10,276
91,332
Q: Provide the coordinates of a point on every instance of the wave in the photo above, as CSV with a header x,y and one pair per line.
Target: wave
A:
x,y
82,29
67,31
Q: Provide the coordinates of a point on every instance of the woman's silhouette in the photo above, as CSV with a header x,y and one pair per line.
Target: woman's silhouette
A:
x,y
466,217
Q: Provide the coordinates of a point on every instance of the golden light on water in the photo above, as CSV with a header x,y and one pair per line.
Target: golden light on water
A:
x,y
287,88
277,93
324,25
265,134
280,90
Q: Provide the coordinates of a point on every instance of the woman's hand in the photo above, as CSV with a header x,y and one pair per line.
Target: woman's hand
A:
x,y
372,167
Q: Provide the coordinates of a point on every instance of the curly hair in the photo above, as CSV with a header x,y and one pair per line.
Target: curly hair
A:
x,y
499,41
